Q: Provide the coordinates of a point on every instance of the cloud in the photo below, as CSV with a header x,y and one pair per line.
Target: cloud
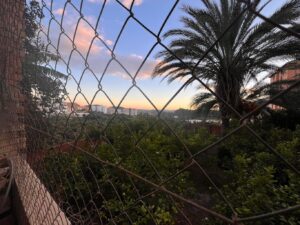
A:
x,y
98,61
132,62
90,19
126,3
109,42
83,39
59,11
136,56
99,57
85,34
99,54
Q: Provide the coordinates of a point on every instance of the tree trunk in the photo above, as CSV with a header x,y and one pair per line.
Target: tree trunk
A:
x,y
229,91
225,117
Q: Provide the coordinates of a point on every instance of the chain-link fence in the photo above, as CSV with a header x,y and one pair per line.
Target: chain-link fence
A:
x,y
115,164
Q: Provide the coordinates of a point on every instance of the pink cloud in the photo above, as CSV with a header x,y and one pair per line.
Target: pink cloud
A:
x,y
132,63
83,39
58,11
127,3
109,42
98,61
85,34
99,54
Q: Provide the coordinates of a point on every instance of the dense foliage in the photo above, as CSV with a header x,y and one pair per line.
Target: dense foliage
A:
x,y
252,178
155,158
258,181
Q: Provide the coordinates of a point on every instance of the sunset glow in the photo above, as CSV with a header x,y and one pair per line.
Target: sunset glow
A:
x,y
87,51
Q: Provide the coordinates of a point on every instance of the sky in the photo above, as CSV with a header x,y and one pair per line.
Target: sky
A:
x,y
96,79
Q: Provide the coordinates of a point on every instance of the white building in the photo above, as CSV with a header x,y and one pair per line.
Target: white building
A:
x,y
122,110
112,110
133,112
98,108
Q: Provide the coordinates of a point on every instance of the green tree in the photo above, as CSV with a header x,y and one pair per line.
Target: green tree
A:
x,y
257,180
242,53
42,86
84,178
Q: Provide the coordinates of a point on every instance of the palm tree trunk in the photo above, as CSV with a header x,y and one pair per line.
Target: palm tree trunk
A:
x,y
229,91
225,117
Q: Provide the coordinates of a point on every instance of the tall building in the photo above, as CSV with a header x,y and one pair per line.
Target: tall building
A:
x,y
289,71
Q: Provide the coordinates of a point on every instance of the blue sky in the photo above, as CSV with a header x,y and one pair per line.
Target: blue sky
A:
x,y
133,46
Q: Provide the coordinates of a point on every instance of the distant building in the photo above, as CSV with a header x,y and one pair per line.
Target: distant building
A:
x,y
112,110
289,71
69,108
133,112
122,110
98,108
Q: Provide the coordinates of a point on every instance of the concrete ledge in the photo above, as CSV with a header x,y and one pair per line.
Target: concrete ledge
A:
x,y
39,207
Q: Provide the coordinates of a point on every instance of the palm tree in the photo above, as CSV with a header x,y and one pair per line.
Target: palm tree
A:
x,y
246,50
250,99
205,102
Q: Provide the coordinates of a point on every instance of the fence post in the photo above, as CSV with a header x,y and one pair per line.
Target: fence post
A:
x,y
11,54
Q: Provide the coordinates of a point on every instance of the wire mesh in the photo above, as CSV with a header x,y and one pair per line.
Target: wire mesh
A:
x,y
106,168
